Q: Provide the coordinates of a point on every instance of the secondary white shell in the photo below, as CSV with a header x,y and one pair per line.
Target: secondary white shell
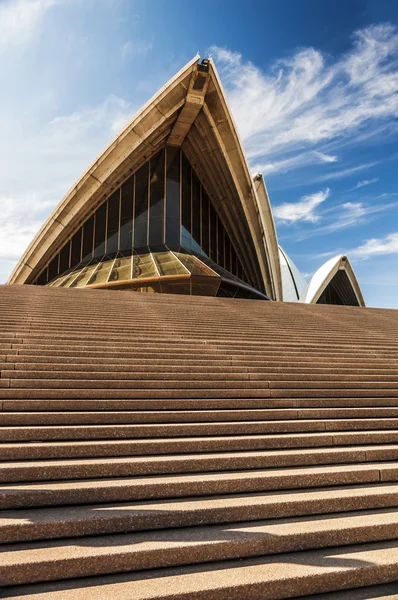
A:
x,y
294,284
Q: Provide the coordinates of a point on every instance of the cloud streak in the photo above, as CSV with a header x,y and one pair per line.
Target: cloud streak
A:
x,y
364,183
306,100
304,210
377,247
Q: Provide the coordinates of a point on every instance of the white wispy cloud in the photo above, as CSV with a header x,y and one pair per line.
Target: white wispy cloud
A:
x,y
326,158
304,210
344,172
309,99
377,247
364,183
345,215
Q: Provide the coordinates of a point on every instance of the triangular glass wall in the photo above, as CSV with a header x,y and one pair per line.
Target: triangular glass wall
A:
x,y
159,232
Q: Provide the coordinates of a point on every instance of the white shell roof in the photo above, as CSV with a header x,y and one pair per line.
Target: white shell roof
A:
x,y
294,284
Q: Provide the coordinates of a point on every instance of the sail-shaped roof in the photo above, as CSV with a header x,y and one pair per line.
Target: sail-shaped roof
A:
x,y
337,278
190,112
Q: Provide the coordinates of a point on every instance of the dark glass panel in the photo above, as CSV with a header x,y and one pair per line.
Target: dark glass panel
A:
x,y
156,215
205,223
227,253
88,229
64,258
126,216
173,210
53,268
99,231
221,232
233,261
239,270
213,233
196,216
186,238
42,279
242,293
141,207
227,290
76,248
112,234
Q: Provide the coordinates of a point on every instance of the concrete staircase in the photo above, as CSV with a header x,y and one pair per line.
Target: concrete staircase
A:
x,y
159,447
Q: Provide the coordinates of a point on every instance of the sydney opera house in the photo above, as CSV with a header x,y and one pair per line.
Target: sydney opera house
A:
x,y
170,206
191,443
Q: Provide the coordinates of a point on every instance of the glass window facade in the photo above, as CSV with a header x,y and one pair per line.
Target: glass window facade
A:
x,y
161,207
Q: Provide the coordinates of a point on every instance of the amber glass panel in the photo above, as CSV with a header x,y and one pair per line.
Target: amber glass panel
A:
x,y
213,233
168,264
153,288
102,273
99,231
143,266
121,269
156,214
76,248
194,265
173,211
205,286
65,281
186,234
126,216
53,268
205,223
57,282
88,229
84,276
141,207
196,216
112,236
220,242
176,287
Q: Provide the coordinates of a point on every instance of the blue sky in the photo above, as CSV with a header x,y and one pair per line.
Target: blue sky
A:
x,y
313,87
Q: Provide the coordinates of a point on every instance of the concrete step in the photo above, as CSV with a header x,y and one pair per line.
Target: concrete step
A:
x,y
20,495
261,361
303,379
181,416
220,365
270,578
66,403
56,469
25,563
95,519
154,430
164,446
